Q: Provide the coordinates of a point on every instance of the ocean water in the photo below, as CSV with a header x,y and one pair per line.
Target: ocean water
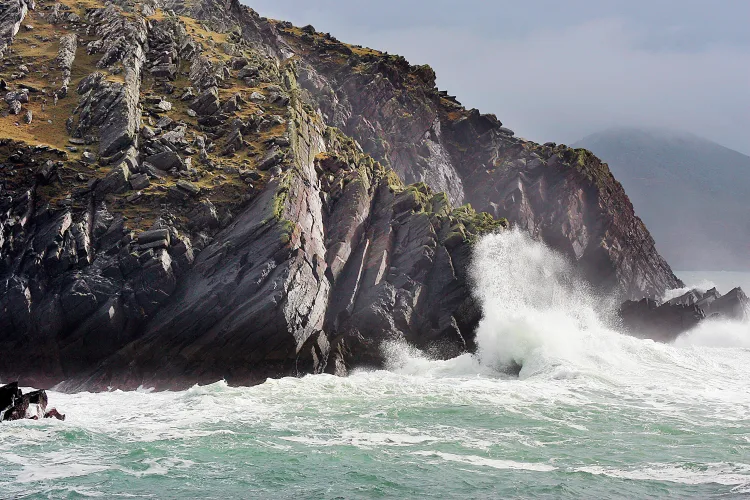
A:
x,y
593,414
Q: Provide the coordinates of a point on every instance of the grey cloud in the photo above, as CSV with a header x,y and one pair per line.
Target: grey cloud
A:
x,y
560,70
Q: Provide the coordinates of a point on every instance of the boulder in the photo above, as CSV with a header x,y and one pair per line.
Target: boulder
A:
x,y
188,94
271,159
14,405
257,96
647,318
147,237
14,107
151,171
204,216
21,96
234,143
239,62
164,70
116,180
154,244
167,160
163,106
164,122
207,103
8,394
147,132
732,305
139,181
88,157
232,105
188,187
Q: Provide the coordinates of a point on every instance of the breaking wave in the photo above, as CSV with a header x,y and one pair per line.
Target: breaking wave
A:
x,y
541,317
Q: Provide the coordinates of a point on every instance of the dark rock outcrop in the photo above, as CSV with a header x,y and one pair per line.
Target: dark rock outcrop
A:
x,y
648,318
12,14
15,405
65,57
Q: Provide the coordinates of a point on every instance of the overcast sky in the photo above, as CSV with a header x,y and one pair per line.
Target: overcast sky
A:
x,y
557,70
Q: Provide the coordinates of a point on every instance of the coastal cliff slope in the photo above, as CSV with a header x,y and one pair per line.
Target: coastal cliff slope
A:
x,y
191,192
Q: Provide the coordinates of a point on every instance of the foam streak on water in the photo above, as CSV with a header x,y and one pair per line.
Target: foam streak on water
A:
x,y
594,414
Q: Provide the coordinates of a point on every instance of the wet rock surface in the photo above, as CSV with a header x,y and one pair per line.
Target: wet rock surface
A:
x,y
15,405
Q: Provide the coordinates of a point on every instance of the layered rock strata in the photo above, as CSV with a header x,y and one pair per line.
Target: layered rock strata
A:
x,y
567,197
218,196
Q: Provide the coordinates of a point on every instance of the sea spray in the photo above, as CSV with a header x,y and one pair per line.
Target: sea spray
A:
x,y
717,333
536,309
539,314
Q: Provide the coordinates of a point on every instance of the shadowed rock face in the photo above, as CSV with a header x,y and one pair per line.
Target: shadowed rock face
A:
x,y
350,258
188,214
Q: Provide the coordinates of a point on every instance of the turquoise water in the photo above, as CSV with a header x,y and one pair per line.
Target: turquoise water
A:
x,y
593,414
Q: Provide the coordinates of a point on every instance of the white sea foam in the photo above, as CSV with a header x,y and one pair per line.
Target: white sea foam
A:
x,y
735,474
487,462
538,314
717,333
702,286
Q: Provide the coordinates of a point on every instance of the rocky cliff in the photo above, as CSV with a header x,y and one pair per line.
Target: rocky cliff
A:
x,y
192,192
565,196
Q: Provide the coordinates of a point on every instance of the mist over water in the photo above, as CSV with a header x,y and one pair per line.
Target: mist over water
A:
x,y
592,414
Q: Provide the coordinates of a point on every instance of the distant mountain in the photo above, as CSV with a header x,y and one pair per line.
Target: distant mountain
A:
x,y
693,194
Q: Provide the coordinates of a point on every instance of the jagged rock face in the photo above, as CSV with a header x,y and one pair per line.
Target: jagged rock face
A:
x,y
193,218
571,201
312,280
367,107
187,214
566,197
12,14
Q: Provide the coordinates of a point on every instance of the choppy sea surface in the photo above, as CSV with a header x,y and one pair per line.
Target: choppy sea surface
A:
x,y
593,414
